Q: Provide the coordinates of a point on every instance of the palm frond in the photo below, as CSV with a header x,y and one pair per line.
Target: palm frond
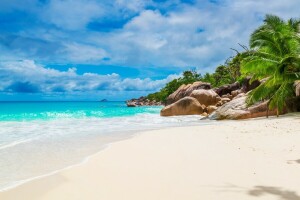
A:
x,y
259,66
278,100
262,92
294,24
274,53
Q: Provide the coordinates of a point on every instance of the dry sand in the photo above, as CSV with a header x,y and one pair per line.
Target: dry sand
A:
x,y
230,160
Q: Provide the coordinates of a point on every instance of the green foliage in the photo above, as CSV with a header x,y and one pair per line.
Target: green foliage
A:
x,y
233,66
274,54
222,76
209,79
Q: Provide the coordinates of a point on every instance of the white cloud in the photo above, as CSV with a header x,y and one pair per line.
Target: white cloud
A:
x,y
30,77
152,34
69,14
170,34
83,53
133,5
172,39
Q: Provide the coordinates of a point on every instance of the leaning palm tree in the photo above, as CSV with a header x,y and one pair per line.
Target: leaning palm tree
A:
x,y
273,56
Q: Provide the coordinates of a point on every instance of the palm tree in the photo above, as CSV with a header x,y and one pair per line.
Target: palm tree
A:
x,y
273,56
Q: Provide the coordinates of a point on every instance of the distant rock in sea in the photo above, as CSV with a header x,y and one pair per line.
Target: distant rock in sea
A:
x,y
104,100
142,101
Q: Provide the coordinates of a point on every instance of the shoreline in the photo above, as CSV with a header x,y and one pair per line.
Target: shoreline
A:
x,y
134,138
125,135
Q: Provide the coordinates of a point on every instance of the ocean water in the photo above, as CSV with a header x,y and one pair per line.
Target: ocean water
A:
x,y
25,111
39,138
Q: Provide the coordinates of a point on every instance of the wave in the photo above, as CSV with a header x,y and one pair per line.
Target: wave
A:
x,y
14,143
50,115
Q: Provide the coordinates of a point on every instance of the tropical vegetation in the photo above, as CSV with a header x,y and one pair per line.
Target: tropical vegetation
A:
x,y
273,56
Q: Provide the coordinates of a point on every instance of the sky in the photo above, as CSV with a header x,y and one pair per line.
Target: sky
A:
x,y
119,49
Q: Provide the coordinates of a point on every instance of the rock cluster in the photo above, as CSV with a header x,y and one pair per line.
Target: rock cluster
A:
x,y
142,101
209,99
225,102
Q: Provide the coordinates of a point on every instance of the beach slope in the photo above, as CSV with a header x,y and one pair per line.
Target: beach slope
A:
x,y
227,160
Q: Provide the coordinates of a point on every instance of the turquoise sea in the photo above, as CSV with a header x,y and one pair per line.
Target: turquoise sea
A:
x,y
24,111
40,138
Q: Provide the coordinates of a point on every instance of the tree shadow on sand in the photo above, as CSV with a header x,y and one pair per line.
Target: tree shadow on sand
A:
x,y
293,161
297,161
280,193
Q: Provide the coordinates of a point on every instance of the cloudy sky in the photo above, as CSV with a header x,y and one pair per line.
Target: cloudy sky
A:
x,y
118,49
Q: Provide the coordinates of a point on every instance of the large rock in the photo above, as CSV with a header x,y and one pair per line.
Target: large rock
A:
x,y
227,89
247,86
205,97
185,106
186,90
237,109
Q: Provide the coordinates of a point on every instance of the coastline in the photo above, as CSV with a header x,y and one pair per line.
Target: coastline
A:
x,y
162,164
96,144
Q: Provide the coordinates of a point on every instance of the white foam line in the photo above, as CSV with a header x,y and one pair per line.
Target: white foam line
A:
x,y
15,143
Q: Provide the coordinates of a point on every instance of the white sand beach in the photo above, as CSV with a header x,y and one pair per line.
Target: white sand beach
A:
x,y
229,160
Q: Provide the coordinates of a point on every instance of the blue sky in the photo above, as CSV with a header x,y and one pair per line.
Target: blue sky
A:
x,y
94,49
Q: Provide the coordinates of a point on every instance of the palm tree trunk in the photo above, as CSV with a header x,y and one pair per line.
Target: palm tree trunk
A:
x,y
267,114
268,108
277,111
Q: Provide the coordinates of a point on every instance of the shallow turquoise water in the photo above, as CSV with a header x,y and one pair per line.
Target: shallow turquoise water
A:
x,y
22,111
